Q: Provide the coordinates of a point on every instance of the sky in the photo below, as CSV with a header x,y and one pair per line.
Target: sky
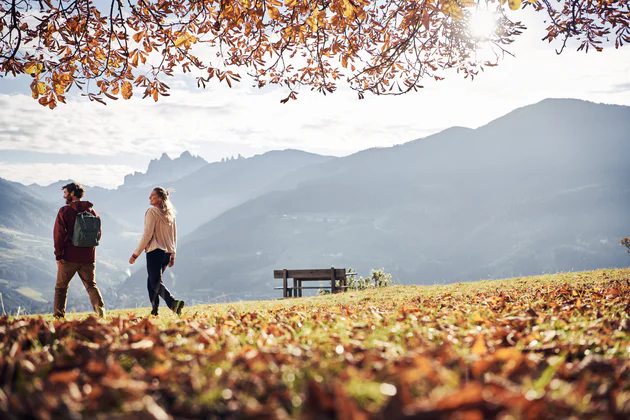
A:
x,y
98,145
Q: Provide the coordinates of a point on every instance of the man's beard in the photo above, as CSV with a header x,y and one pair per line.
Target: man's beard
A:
x,y
68,200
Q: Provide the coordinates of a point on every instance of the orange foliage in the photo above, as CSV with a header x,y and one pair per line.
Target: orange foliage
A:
x,y
385,47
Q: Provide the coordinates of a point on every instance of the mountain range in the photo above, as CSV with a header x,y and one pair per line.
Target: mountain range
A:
x,y
164,170
545,188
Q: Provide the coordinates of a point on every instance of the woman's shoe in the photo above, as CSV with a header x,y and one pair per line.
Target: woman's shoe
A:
x,y
177,308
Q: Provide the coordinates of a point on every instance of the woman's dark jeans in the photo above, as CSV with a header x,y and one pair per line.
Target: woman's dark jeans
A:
x,y
157,261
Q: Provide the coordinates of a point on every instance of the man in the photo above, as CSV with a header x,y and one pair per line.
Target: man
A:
x,y
72,259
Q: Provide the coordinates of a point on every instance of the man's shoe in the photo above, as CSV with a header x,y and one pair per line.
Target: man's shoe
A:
x,y
179,305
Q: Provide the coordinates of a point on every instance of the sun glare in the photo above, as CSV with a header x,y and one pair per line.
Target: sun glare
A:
x,y
483,23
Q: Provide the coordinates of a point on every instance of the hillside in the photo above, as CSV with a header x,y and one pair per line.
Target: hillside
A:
x,y
548,347
202,190
22,211
545,188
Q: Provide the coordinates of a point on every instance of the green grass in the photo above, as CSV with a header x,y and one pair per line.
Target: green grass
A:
x,y
556,344
31,293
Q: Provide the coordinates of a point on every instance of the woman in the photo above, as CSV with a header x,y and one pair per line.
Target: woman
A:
x,y
160,242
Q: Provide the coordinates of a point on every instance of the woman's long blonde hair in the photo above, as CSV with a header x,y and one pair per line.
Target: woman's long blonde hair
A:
x,y
166,205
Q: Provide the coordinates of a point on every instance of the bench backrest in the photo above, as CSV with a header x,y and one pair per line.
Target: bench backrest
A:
x,y
312,274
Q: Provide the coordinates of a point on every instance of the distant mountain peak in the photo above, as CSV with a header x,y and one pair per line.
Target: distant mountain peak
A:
x,y
61,182
165,169
563,101
553,110
290,153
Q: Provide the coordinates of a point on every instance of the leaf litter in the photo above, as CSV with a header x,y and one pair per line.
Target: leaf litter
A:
x,y
534,348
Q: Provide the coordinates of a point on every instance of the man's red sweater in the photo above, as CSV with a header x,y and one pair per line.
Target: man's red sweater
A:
x,y
62,233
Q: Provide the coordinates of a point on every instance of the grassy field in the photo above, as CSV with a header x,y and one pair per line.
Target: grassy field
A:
x,y
555,346
31,293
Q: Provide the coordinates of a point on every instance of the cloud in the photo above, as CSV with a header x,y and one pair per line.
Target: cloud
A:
x,y
621,87
107,176
25,156
616,88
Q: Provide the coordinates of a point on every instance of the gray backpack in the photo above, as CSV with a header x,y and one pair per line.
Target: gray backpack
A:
x,y
87,230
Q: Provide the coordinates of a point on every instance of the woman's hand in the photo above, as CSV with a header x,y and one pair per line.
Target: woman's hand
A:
x,y
133,259
172,261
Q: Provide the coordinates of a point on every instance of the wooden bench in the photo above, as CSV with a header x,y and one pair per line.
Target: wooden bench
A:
x,y
328,274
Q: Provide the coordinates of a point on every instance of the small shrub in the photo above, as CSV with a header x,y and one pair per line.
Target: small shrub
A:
x,y
378,278
321,292
381,278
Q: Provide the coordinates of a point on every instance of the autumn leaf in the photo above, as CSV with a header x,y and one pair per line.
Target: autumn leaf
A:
x,y
138,36
179,41
64,376
186,40
35,90
478,318
425,19
348,9
453,9
479,348
514,4
127,90
311,21
34,69
274,13
469,394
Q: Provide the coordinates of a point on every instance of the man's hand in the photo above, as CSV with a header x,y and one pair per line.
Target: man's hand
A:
x,y
133,259
60,263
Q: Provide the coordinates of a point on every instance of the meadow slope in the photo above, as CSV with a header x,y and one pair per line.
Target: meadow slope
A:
x,y
554,346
